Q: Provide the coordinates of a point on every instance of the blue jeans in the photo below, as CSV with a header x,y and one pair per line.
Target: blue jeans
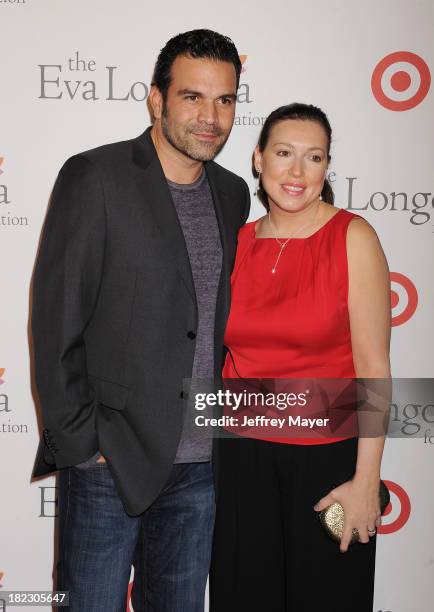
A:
x,y
169,544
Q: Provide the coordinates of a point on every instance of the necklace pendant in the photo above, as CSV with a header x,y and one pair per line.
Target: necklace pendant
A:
x,y
273,270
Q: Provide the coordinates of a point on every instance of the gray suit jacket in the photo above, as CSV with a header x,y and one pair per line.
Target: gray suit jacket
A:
x,y
115,316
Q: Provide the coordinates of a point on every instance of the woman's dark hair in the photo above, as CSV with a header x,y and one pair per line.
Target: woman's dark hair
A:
x,y
194,44
301,112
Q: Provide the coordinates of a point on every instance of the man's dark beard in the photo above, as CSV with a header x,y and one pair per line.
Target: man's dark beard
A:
x,y
189,151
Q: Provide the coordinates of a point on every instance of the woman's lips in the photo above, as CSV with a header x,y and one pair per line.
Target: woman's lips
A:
x,y
294,189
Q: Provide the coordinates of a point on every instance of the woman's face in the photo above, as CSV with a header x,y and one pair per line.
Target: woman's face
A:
x,y
293,164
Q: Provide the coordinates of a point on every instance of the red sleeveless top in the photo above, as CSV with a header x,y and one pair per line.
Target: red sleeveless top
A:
x,y
293,323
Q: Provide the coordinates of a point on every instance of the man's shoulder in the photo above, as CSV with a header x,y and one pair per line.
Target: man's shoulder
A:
x,y
225,176
111,158
107,153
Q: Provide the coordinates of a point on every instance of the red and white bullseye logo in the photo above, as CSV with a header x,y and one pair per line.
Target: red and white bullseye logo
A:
x,y
403,297
400,81
397,512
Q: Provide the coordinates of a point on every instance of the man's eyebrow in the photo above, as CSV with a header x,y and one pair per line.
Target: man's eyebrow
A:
x,y
190,92
229,95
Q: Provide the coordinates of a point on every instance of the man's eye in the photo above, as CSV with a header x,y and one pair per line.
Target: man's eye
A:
x,y
226,101
317,158
192,98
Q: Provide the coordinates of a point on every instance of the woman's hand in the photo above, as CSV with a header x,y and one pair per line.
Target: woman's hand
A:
x,y
359,498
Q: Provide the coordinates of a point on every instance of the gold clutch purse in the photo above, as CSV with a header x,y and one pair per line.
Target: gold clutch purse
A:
x,y
332,517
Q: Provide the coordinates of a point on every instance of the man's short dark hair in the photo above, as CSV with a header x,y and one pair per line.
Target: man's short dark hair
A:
x,y
194,44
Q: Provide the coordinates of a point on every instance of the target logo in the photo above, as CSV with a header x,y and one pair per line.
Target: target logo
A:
x,y
400,81
403,297
398,510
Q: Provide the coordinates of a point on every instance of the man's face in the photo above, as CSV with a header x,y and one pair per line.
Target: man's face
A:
x,y
199,111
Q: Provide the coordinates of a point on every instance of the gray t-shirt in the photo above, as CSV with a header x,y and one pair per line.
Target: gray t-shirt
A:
x,y
194,205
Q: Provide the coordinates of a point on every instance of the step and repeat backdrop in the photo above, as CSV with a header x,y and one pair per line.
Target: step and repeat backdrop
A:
x,y
74,75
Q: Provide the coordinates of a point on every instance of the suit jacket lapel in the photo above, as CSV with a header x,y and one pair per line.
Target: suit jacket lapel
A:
x,y
153,185
219,197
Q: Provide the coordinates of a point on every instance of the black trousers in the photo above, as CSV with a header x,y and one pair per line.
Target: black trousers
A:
x,y
270,552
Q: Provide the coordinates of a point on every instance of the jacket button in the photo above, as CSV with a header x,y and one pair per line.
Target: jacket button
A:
x,y
191,335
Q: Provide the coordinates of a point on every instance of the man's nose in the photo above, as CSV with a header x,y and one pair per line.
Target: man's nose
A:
x,y
208,112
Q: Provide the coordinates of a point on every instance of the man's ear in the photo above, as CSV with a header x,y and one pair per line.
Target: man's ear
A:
x,y
156,102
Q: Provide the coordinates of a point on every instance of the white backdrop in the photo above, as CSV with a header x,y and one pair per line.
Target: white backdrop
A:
x,y
74,75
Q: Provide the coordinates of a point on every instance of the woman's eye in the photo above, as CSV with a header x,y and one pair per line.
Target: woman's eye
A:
x,y
283,153
316,158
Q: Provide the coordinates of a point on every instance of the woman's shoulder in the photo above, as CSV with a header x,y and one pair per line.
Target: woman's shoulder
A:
x,y
344,215
247,230
357,225
362,240
246,226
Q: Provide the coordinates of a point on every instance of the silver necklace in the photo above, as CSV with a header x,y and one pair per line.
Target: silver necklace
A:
x,y
282,245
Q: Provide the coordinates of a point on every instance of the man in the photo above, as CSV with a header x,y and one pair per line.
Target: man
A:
x,y
131,296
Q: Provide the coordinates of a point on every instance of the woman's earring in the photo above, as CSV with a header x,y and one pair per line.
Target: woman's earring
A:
x,y
320,196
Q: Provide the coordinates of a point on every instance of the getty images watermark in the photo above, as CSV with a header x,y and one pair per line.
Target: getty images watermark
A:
x,y
312,408
239,401
55,599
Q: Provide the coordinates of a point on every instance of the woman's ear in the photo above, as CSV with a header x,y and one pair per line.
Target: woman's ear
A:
x,y
257,158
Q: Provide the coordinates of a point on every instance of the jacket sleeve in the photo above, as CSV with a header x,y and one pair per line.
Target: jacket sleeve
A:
x,y
66,284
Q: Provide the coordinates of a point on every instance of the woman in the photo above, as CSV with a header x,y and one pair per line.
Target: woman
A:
x,y
310,298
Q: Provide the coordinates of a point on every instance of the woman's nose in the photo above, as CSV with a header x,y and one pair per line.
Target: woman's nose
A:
x,y
296,168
